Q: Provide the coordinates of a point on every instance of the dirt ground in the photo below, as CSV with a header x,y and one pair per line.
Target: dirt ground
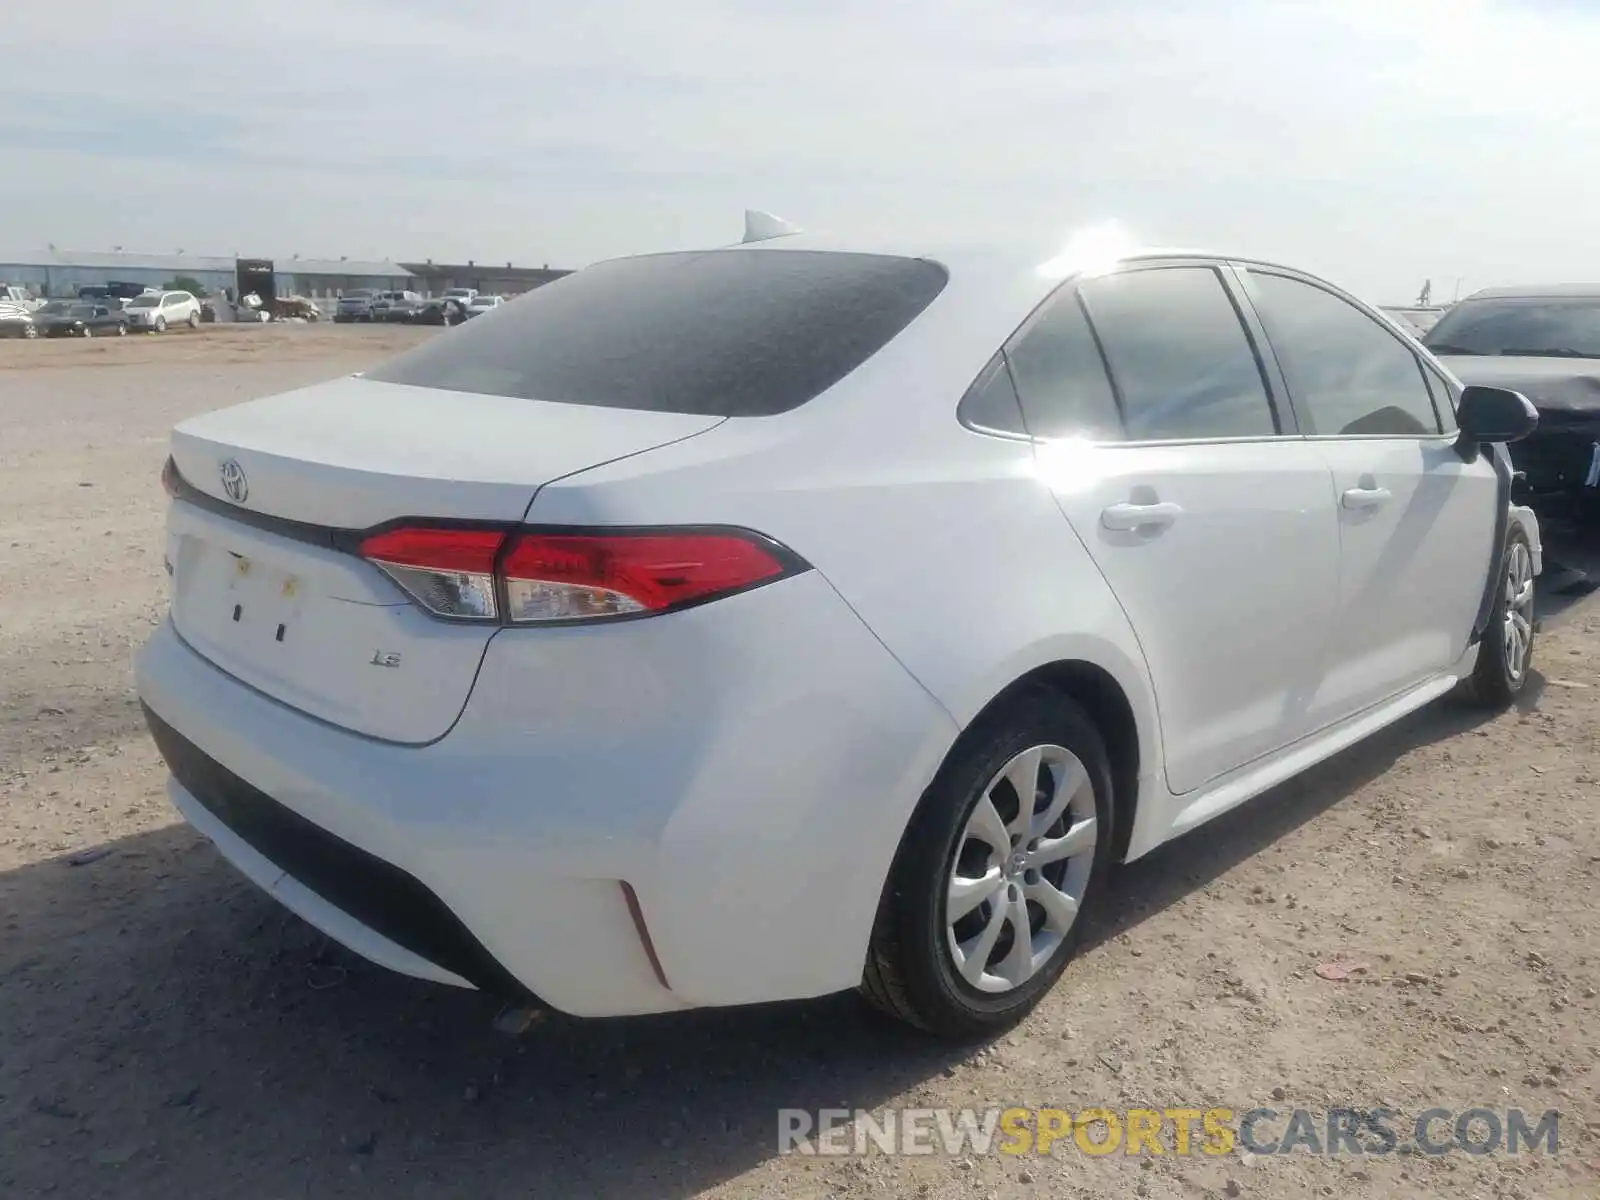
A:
x,y
165,1030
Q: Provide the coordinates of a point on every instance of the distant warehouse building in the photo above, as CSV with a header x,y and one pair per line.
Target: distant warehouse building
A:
x,y
63,272
508,280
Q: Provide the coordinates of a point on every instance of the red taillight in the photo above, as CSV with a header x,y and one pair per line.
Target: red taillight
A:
x,y
469,551
563,577
450,572
544,577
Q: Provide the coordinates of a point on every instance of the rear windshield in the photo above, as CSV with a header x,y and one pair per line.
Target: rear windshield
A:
x,y
736,333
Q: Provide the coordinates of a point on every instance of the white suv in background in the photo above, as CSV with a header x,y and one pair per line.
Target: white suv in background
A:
x,y
750,624
158,311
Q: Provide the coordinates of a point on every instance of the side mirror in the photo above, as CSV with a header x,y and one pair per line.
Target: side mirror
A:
x,y
1491,414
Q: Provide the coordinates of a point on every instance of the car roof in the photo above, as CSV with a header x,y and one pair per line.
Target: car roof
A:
x,y
972,260
1535,291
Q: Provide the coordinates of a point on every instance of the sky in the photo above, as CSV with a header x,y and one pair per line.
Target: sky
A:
x,y
1377,142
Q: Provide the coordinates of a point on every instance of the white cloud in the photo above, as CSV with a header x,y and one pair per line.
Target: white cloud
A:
x,y
1379,142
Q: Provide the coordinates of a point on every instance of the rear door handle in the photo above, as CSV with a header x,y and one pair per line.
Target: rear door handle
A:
x,y
1366,497
1126,517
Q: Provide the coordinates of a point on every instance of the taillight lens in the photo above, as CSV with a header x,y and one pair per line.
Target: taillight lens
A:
x,y
450,572
464,574
563,577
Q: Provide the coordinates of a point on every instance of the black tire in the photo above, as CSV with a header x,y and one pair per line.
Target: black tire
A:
x,y
910,972
161,324
87,332
122,330
30,331
1496,680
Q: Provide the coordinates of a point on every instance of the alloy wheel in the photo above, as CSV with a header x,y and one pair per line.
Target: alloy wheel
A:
x,y
1020,869
1519,610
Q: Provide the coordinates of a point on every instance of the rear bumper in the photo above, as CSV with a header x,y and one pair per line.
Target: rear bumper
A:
x,y
746,772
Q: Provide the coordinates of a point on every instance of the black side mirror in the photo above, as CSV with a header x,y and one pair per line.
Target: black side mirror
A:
x,y
1491,414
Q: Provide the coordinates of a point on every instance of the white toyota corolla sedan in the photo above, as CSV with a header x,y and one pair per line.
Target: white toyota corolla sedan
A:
x,y
727,626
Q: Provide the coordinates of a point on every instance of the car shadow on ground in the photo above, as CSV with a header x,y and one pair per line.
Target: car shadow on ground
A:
x,y
1571,564
164,1027
1187,864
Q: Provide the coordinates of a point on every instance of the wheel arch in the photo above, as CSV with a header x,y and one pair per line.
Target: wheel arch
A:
x,y
1100,694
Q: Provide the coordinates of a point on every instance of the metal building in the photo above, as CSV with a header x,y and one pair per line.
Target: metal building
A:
x,y
62,272
498,280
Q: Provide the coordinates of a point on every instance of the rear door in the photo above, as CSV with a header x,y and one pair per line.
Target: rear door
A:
x,y
1209,516
1416,523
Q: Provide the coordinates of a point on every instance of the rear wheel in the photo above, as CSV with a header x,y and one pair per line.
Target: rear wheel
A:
x,y
87,332
30,331
1006,851
1506,652
122,329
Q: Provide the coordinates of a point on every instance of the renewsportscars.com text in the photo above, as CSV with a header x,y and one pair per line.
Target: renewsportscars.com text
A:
x,y
1178,1131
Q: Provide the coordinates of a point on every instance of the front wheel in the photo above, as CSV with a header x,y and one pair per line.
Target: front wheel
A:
x,y
1005,853
87,332
161,324
1505,653
30,331
194,320
122,331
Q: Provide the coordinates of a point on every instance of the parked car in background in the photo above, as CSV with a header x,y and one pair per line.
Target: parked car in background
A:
x,y
791,619
79,318
461,295
295,308
396,306
354,305
159,311
482,304
1543,341
20,297
441,311
16,321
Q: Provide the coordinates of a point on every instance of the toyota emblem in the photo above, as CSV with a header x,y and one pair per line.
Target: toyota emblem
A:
x,y
233,481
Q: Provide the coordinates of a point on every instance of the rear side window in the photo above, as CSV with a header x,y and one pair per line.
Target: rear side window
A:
x,y
1179,356
735,333
1347,373
991,402
1061,378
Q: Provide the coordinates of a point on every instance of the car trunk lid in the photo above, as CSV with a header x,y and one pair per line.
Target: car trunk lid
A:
x,y
275,493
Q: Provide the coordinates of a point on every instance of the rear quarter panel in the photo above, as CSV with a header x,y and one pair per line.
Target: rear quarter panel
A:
x,y
946,545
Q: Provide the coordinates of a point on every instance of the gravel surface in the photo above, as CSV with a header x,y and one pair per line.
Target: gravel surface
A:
x,y
166,1031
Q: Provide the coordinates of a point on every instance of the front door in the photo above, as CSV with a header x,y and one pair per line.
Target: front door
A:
x,y
1415,520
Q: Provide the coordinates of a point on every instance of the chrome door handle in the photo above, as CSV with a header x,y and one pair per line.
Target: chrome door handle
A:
x,y
1362,497
1126,517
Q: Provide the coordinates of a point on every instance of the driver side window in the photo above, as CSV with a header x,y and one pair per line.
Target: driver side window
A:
x,y
1348,375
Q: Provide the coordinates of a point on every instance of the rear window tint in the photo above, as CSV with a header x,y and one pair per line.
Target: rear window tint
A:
x,y
735,333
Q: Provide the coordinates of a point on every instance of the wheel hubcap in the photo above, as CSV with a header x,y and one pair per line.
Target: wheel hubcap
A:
x,y
1519,610
1020,870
